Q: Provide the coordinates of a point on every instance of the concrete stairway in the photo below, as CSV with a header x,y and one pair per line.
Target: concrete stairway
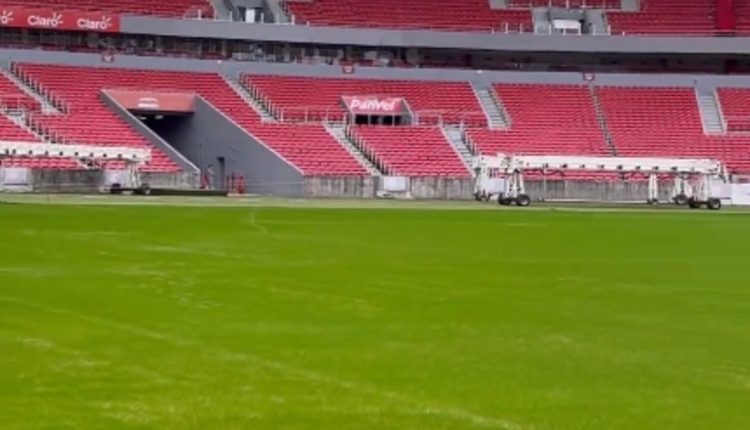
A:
x,y
20,118
338,131
711,116
47,107
491,105
278,11
455,136
602,119
248,97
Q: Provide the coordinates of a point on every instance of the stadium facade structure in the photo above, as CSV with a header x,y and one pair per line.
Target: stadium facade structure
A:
x,y
267,97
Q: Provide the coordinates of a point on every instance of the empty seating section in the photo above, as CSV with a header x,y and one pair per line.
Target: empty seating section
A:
x,y
545,119
689,17
89,121
300,98
310,147
464,15
742,16
594,4
665,122
735,105
410,151
12,97
9,131
168,8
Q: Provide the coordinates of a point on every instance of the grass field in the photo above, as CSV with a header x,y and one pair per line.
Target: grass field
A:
x,y
261,318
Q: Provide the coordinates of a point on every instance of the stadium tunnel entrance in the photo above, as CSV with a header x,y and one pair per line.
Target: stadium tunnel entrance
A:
x,y
203,140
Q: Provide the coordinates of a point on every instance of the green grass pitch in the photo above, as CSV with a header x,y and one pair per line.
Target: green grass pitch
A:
x,y
262,318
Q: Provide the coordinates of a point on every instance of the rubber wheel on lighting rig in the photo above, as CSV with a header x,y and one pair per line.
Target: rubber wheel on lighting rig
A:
x,y
523,200
681,200
694,204
713,204
504,201
478,197
144,190
115,188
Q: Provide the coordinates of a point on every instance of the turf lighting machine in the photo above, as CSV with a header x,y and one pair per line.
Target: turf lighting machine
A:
x,y
89,157
693,179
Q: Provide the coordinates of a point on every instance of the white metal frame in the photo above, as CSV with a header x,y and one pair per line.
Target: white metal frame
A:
x,y
133,157
512,168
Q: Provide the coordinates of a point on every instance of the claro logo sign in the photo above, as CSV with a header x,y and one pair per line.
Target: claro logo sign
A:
x,y
54,20
6,17
104,24
73,20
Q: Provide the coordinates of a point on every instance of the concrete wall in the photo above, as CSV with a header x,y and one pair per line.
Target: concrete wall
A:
x,y
208,134
434,39
340,187
93,181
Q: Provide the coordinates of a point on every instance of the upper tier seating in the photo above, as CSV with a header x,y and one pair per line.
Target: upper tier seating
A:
x,y
89,121
735,104
171,8
304,98
545,119
666,122
595,4
464,15
689,17
411,151
742,16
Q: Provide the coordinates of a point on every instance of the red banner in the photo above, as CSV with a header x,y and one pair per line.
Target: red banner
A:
x,y
373,105
151,101
52,19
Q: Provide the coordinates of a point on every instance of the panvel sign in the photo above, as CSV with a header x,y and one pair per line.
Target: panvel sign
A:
x,y
152,101
372,105
53,19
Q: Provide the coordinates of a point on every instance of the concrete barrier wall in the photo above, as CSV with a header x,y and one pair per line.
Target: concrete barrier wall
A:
x,y
66,181
179,181
92,181
441,188
340,187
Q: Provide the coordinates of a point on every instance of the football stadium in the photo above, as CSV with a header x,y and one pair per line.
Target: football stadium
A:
x,y
360,214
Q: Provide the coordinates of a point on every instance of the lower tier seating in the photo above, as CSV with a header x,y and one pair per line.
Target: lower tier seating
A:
x,y
89,121
666,122
317,99
544,119
410,151
735,104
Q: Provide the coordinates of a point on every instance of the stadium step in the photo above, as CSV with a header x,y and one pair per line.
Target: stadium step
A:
x,y
248,97
456,137
222,10
711,115
279,12
32,90
493,108
338,131
602,119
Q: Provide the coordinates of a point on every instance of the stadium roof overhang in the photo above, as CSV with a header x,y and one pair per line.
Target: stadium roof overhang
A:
x,y
434,39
